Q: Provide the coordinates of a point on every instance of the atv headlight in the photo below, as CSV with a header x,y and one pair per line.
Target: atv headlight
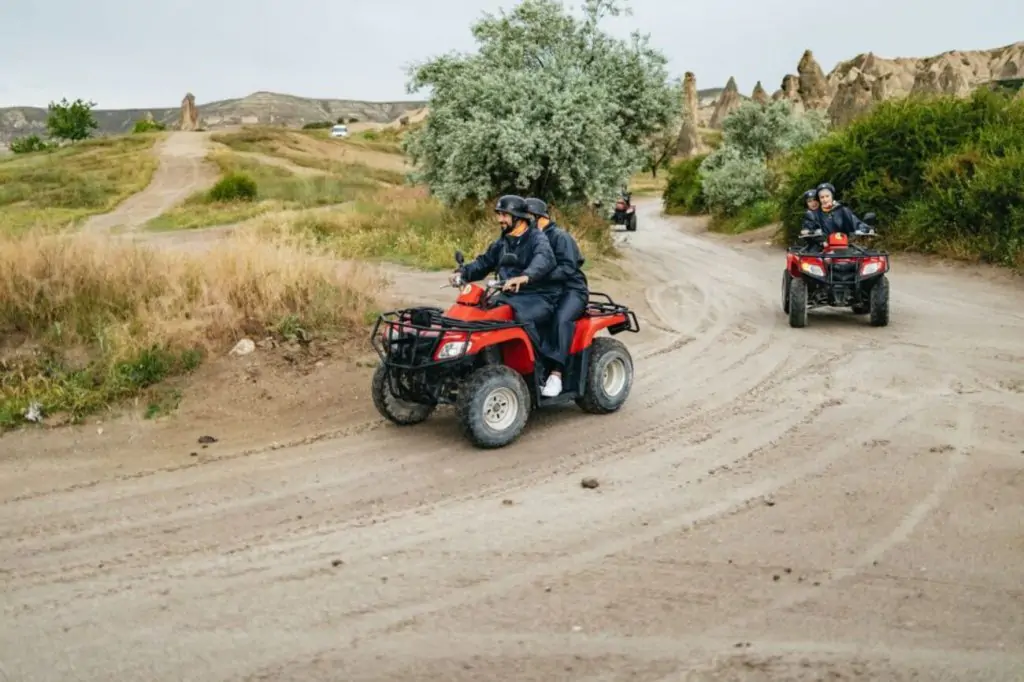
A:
x,y
812,269
870,268
452,349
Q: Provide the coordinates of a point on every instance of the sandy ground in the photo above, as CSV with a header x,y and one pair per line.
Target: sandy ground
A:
x,y
836,502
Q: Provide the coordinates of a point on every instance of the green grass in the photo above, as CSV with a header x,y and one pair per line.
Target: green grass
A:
x,y
60,188
277,189
746,219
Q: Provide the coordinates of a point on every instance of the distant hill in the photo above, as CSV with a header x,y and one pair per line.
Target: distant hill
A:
x,y
257,108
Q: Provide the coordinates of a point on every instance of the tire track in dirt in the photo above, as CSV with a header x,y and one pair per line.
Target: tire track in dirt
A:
x,y
225,570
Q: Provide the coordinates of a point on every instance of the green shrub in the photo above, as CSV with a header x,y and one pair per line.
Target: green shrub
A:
x,y
942,173
684,192
234,187
147,126
318,125
29,144
748,218
733,179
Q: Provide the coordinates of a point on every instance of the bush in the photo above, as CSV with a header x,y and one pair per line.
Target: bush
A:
x,y
318,125
100,320
684,192
751,217
234,187
147,126
732,179
29,144
942,173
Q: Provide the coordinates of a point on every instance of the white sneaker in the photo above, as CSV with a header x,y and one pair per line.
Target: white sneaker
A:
x,y
552,387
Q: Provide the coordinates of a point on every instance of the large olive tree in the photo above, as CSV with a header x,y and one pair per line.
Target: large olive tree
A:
x,y
549,105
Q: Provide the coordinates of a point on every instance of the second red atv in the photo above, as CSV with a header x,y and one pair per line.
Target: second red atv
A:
x,y
476,357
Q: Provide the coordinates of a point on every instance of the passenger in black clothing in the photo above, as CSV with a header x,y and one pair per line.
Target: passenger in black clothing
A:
x,y
834,217
534,295
573,300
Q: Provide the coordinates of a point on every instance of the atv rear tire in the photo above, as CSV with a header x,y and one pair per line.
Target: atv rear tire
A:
x,y
797,303
394,409
631,222
609,377
786,279
493,406
880,303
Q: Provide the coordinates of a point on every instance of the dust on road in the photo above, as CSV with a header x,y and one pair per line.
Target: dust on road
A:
x,y
774,504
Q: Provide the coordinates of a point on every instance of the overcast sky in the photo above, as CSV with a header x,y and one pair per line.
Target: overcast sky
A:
x,y
136,54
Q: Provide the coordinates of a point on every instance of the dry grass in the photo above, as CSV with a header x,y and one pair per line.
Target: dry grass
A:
x,y
278,189
88,321
315,149
643,184
405,225
60,188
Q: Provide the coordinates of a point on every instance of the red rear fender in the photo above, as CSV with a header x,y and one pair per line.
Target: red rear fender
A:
x,y
587,328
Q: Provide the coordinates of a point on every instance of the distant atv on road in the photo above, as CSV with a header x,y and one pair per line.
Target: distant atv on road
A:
x,y
625,211
834,272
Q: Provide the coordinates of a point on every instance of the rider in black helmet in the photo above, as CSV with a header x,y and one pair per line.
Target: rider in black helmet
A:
x,y
812,216
834,217
572,301
534,295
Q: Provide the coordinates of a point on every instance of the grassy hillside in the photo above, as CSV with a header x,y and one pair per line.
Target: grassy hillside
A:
x,y
60,188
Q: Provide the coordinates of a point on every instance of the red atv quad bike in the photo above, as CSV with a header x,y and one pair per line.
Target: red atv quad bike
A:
x,y
476,357
834,272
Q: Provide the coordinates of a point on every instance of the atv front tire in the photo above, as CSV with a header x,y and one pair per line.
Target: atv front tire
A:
x,y
880,303
493,406
609,377
797,303
786,279
394,409
631,222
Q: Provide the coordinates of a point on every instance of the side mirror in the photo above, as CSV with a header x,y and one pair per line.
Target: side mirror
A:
x,y
508,260
459,258
869,218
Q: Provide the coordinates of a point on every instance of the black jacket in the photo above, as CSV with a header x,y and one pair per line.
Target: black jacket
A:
x,y
568,259
536,261
840,219
811,222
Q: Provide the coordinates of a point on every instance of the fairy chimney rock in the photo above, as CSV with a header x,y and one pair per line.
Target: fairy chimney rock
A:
x,y
189,113
759,95
689,139
813,86
728,102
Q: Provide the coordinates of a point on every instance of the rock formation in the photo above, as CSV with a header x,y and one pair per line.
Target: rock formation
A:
x,y
759,95
689,139
189,113
815,90
728,102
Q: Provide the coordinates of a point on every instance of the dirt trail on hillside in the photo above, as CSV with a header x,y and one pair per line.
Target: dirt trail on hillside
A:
x,y
183,170
835,502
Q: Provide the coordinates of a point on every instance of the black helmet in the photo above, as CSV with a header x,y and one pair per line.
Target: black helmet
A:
x,y
810,194
826,185
514,205
537,207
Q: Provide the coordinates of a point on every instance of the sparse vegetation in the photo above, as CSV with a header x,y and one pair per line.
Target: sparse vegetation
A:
x,y
314,149
88,321
145,125
406,225
317,125
249,188
58,188
945,175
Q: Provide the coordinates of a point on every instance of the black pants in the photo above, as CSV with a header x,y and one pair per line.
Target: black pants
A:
x,y
531,310
563,328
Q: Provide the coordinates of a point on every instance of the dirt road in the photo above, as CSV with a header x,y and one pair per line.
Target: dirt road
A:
x,y
835,502
183,170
